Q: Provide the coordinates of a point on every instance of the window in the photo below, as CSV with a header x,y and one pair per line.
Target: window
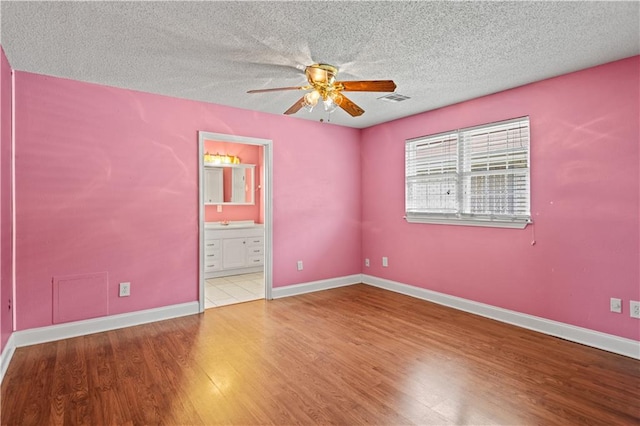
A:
x,y
474,176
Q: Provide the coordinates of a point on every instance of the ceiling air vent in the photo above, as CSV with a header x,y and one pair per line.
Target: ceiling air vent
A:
x,y
394,97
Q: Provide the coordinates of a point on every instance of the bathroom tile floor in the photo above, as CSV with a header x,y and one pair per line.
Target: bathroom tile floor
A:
x,y
233,289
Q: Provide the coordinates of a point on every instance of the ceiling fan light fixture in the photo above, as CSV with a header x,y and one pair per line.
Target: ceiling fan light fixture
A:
x,y
329,105
310,100
332,101
313,96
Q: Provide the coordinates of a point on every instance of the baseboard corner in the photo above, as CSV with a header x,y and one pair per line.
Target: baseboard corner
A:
x,y
6,355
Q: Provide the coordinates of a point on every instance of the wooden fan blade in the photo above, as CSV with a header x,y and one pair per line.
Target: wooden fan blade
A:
x,y
368,86
295,107
277,89
347,105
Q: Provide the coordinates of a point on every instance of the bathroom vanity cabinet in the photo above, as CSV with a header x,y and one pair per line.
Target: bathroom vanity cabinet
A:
x,y
232,251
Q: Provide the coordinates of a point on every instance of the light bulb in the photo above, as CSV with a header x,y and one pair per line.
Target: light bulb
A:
x,y
332,101
312,97
329,105
310,100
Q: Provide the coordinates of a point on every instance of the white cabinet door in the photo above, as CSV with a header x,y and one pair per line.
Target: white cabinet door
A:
x,y
233,253
213,185
238,186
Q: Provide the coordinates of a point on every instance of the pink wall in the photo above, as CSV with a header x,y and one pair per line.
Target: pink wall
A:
x,y
249,154
6,259
316,194
585,196
106,181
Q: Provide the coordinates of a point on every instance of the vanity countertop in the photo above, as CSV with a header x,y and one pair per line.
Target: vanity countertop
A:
x,y
233,224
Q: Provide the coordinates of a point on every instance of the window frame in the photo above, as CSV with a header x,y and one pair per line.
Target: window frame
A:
x,y
518,209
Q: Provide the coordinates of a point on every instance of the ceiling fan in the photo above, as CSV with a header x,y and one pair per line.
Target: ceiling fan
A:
x,y
323,85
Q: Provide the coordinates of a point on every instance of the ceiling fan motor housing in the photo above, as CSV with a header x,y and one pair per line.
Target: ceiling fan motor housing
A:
x,y
321,74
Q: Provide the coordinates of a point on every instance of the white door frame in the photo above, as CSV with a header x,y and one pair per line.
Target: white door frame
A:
x,y
266,194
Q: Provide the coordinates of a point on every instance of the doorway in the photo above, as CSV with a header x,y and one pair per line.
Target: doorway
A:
x,y
263,191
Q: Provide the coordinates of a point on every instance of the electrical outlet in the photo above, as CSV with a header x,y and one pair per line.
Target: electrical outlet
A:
x,y
125,289
634,309
367,263
615,305
385,261
300,266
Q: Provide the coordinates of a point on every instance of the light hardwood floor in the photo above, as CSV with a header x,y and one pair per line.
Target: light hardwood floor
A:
x,y
353,355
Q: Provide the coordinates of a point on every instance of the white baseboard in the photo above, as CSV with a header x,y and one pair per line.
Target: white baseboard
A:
x,y
7,354
310,287
607,342
95,325
596,339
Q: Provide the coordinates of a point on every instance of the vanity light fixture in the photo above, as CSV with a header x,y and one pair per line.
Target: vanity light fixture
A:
x,y
221,158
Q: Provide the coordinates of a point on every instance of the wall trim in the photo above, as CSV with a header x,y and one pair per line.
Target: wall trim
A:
x,y
596,339
312,286
51,333
7,354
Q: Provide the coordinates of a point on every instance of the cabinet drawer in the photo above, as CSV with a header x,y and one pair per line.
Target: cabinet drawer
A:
x,y
255,260
212,265
211,244
255,251
210,254
254,241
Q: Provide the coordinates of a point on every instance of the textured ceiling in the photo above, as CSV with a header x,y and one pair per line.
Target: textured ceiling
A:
x,y
438,53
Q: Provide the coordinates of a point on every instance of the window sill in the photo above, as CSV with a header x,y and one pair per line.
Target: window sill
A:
x,y
521,224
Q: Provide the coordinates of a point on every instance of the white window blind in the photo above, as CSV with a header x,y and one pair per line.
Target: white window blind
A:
x,y
474,176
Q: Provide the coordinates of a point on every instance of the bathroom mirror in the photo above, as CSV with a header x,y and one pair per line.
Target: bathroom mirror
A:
x,y
229,184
